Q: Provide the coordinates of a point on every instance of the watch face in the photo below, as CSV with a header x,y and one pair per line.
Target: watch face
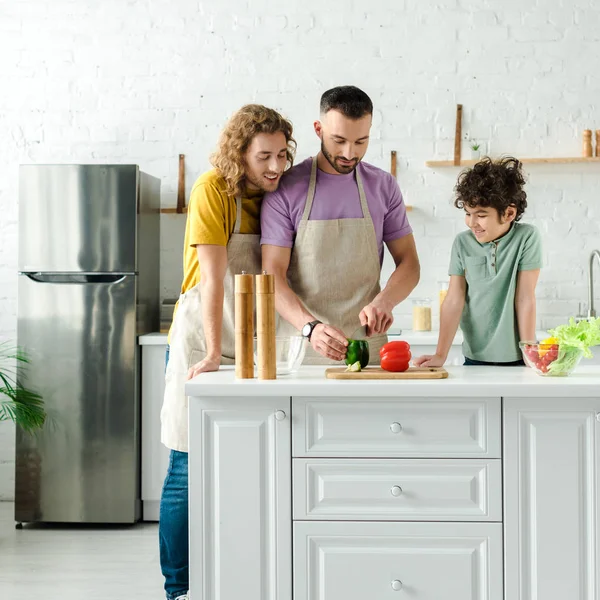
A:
x,y
306,330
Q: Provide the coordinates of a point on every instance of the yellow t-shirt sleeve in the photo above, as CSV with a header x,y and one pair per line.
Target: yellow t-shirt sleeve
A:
x,y
209,216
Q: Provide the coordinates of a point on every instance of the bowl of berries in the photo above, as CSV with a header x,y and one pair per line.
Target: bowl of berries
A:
x,y
550,358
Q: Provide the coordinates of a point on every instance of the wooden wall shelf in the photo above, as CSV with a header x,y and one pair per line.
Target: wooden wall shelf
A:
x,y
525,161
173,211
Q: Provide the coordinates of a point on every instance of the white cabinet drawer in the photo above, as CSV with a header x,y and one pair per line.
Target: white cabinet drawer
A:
x,y
407,490
424,561
396,427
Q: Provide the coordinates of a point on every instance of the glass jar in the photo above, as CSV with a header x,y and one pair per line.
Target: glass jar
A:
x,y
421,314
443,291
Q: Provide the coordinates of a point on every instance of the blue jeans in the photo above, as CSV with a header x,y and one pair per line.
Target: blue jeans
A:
x,y
470,362
173,525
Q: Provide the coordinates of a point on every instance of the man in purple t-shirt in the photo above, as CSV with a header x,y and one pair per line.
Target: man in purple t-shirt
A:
x,y
323,230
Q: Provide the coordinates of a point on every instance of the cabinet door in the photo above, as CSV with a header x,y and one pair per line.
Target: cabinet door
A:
x,y
155,456
551,462
377,561
240,498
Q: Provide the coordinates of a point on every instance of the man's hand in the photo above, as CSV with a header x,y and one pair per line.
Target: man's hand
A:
x,y
377,316
329,341
430,360
206,365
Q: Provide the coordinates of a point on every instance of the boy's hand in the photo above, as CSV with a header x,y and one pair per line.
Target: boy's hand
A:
x,y
429,360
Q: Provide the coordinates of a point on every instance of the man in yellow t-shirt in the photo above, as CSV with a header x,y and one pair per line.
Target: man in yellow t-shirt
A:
x,y
222,238
211,219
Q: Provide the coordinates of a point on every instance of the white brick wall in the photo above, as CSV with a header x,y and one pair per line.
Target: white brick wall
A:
x,y
143,80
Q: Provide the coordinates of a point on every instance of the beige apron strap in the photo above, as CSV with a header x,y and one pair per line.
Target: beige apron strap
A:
x,y
238,218
364,205
311,190
310,196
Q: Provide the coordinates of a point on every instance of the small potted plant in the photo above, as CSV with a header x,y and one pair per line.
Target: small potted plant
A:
x,y
475,150
18,403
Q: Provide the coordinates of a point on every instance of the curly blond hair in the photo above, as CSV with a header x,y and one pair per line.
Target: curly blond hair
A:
x,y
237,135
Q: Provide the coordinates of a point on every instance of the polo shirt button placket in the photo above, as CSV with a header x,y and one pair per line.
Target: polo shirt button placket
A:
x,y
494,247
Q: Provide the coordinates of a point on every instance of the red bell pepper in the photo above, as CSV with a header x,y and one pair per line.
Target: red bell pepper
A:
x,y
395,356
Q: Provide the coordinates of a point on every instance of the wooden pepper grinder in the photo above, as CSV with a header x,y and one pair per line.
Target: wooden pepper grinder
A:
x,y
587,143
244,326
265,326
597,142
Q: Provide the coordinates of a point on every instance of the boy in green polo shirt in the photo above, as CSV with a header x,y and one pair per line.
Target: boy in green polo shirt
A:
x,y
494,269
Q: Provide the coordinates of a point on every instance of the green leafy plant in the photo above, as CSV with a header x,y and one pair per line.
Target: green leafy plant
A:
x,y
475,146
18,403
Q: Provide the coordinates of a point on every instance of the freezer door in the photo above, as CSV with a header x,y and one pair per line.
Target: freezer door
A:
x,y
78,218
79,333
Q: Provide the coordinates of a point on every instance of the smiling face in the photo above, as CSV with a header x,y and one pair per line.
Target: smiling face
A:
x,y
486,224
265,160
344,141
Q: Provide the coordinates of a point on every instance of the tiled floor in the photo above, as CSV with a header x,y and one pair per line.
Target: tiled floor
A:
x,y
78,562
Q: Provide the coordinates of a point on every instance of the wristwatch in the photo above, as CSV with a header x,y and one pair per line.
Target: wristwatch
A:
x,y
309,328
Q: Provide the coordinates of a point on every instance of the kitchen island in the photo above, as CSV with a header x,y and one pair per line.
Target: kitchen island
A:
x,y
481,486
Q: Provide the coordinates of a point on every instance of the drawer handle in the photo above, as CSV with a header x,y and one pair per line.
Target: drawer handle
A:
x,y
397,585
280,415
396,490
598,416
396,427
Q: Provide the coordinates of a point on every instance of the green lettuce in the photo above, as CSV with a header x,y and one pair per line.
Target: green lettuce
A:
x,y
568,359
582,335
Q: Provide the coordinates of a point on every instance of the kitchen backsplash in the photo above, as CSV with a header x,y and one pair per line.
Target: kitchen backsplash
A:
x,y
80,86
141,82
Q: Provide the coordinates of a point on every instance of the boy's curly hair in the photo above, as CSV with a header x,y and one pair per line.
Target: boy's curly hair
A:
x,y
498,184
237,135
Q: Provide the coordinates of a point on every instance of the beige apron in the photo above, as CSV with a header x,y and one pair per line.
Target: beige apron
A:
x,y
188,345
335,271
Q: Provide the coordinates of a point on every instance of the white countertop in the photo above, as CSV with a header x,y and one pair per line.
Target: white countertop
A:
x,y
153,339
462,381
414,338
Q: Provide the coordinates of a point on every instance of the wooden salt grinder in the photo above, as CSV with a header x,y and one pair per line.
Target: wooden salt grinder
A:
x,y
587,142
265,326
244,326
597,142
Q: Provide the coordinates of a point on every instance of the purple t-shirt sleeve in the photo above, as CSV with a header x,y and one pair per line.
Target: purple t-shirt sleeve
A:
x,y
395,221
276,226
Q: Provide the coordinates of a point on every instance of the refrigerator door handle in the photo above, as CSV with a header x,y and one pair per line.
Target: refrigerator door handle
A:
x,y
74,278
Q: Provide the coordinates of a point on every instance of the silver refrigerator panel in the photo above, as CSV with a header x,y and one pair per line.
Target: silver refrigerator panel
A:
x,y
78,218
79,332
148,253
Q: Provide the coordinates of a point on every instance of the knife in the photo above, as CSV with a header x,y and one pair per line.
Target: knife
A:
x,y
360,333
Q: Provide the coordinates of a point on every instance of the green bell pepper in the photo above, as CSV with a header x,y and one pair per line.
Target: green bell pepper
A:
x,y
357,351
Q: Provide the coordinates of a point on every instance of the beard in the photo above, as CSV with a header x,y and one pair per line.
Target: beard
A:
x,y
333,161
263,184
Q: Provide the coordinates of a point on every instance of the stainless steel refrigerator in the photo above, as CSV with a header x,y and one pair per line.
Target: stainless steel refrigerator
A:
x,y
88,286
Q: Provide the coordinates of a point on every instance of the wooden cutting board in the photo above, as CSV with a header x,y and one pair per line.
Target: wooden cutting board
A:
x,y
379,373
